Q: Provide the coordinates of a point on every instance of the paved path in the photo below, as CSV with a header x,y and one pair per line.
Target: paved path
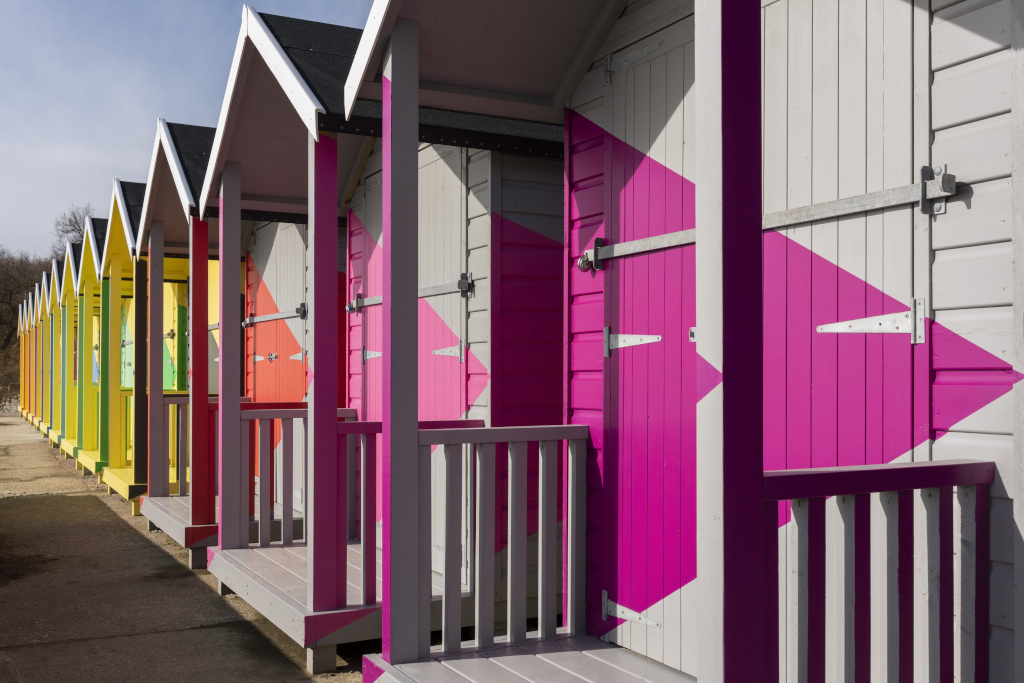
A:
x,y
87,594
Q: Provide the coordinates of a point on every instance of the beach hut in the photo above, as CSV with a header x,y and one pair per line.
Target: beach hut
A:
x,y
120,278
180,251
56,431
69,443
46,354
459,307
89,459
692,342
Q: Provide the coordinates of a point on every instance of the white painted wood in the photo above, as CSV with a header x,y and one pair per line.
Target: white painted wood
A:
x,y
480,435
968,30
484,561
884,592
988,328
996,417
926,583
549,555
266,493
232,439
287,464
975,152
979,214
995,447
575,531
407,552
973,277
964,570
517,496
1000,666
367,519
451,631
971,91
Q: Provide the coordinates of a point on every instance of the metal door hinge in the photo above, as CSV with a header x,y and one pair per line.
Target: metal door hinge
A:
x,y
297,356
367,355
454,351
908,322
931,193
693,334
602,251
609,608
256,359
621,341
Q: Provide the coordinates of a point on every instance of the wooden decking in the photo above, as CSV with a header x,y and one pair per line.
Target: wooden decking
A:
x,y
561,660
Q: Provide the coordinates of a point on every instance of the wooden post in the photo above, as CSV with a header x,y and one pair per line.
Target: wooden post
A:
x,y
401,557
106,423
729,290
84,357
159,485
203,466
65,368
326,508
140,442
235,480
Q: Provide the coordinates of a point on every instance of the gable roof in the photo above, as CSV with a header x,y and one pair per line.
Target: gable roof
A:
x,y
126,205
94,241
72,259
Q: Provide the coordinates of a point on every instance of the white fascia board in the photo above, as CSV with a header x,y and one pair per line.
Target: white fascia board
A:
x,y
371,48
177,170
306,104
126,224
150,188
294,85
69,263
90,236
219,137
55,292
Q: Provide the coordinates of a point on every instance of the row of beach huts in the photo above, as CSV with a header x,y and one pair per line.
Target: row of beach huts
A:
x,y
433,340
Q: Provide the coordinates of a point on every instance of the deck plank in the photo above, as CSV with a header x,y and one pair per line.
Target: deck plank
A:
x,y
628,661
430,672
285,560
271,572
530,667
588,668
480,669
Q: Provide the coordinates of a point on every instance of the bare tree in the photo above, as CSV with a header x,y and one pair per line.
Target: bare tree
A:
x,y
19,273
69,227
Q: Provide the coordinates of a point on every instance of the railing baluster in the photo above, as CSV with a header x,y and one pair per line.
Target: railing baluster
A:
x,y
266,522
981,587
165,464
484,563
547,552
770,524
451,628
287,475
368,533
862,588
239,517
182,451
423,573
516,600
576,550
350,464
815,589
945,616
905,583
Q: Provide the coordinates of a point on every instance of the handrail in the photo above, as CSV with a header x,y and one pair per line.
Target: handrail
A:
x,y
438,437
848,481
347,428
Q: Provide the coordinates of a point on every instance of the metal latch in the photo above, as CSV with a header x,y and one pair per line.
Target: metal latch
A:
x,y
908,322
465,285
300,312
931,193
609,608
621,341
367,355
169,335
362,302
602,251
271,357
693,334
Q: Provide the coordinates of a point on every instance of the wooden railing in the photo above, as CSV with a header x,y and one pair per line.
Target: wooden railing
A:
x,y
175,452
127,422
806,626
486,444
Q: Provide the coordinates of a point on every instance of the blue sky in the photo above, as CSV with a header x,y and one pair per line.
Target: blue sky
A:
x,y
83,83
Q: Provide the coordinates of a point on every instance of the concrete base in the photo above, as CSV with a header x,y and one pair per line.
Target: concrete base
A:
x,y
222,589
323,659
197,559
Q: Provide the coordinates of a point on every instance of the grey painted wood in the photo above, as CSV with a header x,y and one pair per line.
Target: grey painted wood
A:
x,y
588,668
287,472
423,578
266,493
451,631
351,456
484,561
368,533
576,549
183,454
1016,472
158,484
479,669
434,437
625,660
517,496
530,667
548,550
234,470
430,672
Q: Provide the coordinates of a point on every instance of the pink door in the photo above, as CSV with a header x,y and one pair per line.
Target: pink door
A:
x,y
634,372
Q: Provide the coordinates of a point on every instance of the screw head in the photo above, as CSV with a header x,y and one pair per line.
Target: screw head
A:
x,y
937,170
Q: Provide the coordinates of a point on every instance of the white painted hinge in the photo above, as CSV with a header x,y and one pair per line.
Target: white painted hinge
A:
x,y
256,359
297,356
621,341
367,355
908,322
454,351
609,608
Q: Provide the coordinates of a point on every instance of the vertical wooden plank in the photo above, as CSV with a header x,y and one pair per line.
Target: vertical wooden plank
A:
x,y
815,563
945,601
422,576
182,450
548,552
368,529
517,493
140,403
484,544
981,585
401,456
231,438
325,525
116,456
451,628
158,456
861,651
927,562
287,474
265,440
352,451
905,584
203,463
772,646
1017,218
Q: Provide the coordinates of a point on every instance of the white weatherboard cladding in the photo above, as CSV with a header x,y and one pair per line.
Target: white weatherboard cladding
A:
x,y
972,269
